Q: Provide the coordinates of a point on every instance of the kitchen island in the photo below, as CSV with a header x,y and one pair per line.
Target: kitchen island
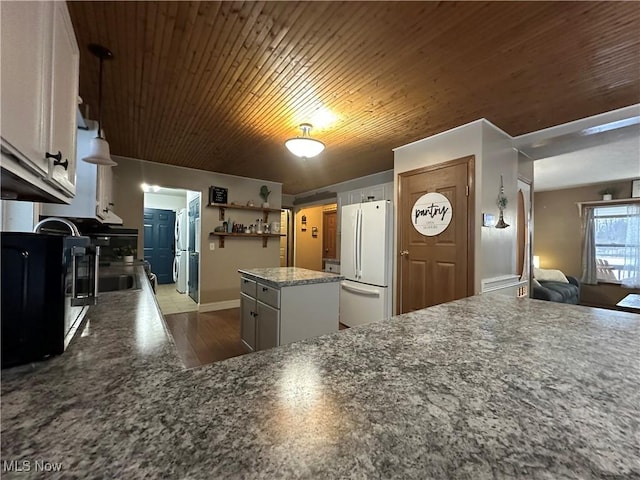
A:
x,y
484,387
281,305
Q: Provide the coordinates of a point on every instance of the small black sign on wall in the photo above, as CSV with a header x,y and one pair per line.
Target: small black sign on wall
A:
x,y
217,195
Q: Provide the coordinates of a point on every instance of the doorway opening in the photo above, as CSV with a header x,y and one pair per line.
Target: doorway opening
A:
x,y
172,246
316,236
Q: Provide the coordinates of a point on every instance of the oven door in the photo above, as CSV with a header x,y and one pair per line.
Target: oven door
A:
x,y
81,282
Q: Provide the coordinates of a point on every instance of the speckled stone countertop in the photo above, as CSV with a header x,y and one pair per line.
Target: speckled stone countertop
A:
x,y
287,276
481,388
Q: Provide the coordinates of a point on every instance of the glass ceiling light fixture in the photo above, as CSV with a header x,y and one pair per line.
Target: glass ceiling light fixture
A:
x,y
304,146
99,148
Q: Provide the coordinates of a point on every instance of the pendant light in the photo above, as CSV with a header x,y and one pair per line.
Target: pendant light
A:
x,y
305,146
99,148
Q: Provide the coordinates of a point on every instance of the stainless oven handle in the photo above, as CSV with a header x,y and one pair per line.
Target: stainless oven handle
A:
x,y
75,252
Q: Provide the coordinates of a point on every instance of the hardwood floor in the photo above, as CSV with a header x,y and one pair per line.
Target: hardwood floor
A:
x,y
206,337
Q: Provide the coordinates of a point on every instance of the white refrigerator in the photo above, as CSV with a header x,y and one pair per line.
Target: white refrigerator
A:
x,y
365,262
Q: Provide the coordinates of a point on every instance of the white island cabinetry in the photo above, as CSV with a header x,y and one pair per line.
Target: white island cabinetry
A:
x,y
284,305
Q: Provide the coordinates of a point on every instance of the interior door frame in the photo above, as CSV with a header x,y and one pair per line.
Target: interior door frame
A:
x,y
470,161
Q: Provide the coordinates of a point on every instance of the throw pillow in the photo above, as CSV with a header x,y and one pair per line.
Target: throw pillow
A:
x,y
548,275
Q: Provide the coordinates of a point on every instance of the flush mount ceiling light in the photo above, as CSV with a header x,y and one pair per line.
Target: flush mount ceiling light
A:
x,y
304,146
99,148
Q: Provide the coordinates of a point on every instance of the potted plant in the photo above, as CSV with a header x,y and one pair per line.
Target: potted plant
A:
x,y
608,193
264,193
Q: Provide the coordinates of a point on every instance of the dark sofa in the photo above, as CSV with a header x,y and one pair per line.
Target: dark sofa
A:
x,y
558,291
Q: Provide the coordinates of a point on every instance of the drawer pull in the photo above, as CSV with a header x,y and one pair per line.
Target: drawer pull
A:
x,y
265,289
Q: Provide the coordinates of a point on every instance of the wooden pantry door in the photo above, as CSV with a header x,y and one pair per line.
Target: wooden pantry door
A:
x,y
436,269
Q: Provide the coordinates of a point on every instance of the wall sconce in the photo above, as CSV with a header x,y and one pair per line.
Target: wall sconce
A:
x,y
304,223
314,231
536,261
502,204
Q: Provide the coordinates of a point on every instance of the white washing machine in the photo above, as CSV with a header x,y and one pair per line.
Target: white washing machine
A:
x,y
180,270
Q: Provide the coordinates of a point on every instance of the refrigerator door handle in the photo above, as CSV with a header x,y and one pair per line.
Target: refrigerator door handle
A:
x,y
360,245
362,291
355,245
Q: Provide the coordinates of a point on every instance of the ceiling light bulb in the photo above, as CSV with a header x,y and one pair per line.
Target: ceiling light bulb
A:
x,y
305,146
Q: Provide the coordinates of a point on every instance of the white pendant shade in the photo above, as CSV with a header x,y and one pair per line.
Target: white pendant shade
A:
x,y
305,146
99,153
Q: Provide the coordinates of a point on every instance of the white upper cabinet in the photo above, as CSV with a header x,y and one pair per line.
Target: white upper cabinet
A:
x,y
64,99
39,81
383,191
26,32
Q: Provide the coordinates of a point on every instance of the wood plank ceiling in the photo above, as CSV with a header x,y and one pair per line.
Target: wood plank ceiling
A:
x,y
220,86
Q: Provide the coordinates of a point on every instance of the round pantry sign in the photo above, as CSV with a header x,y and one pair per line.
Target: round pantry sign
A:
x,y
431,214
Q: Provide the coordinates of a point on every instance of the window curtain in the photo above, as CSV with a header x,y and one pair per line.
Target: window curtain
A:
x,y
589,272
632,252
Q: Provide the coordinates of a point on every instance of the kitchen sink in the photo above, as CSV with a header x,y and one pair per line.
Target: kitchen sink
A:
x,y
112,283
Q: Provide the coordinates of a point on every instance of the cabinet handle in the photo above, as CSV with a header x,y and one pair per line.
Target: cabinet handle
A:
x,y
57,159
265,289
57,156
64,164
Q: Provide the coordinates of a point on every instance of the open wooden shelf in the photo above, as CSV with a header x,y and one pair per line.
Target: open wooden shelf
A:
x,y
265,237
224,206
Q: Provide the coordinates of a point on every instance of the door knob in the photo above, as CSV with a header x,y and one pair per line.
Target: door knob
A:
x,y
404,253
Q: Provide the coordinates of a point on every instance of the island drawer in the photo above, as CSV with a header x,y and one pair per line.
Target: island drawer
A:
x,y
248,286
269,295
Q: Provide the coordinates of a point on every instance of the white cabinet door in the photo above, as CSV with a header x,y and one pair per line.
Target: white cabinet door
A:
x,y
65,59
25,81
248,321
267,327
372,194
355,196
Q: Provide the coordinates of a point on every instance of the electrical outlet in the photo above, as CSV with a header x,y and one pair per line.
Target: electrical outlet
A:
x,y
212,246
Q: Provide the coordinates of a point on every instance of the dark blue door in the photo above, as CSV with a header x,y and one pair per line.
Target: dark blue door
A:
x,y
194,256
159,242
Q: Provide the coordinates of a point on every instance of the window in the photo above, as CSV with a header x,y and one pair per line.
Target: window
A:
x,y
616,242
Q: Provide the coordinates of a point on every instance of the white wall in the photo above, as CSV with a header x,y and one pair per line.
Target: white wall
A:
x,y
219,278
456,143
164,201
18,216
494,154
497,246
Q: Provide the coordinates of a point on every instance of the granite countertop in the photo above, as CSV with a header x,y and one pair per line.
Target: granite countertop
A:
x,y
481,388
288,276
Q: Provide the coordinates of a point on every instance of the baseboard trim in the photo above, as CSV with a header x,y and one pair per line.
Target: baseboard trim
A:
x,y
224,305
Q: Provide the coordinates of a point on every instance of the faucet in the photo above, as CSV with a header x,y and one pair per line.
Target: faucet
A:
x,y
74,230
